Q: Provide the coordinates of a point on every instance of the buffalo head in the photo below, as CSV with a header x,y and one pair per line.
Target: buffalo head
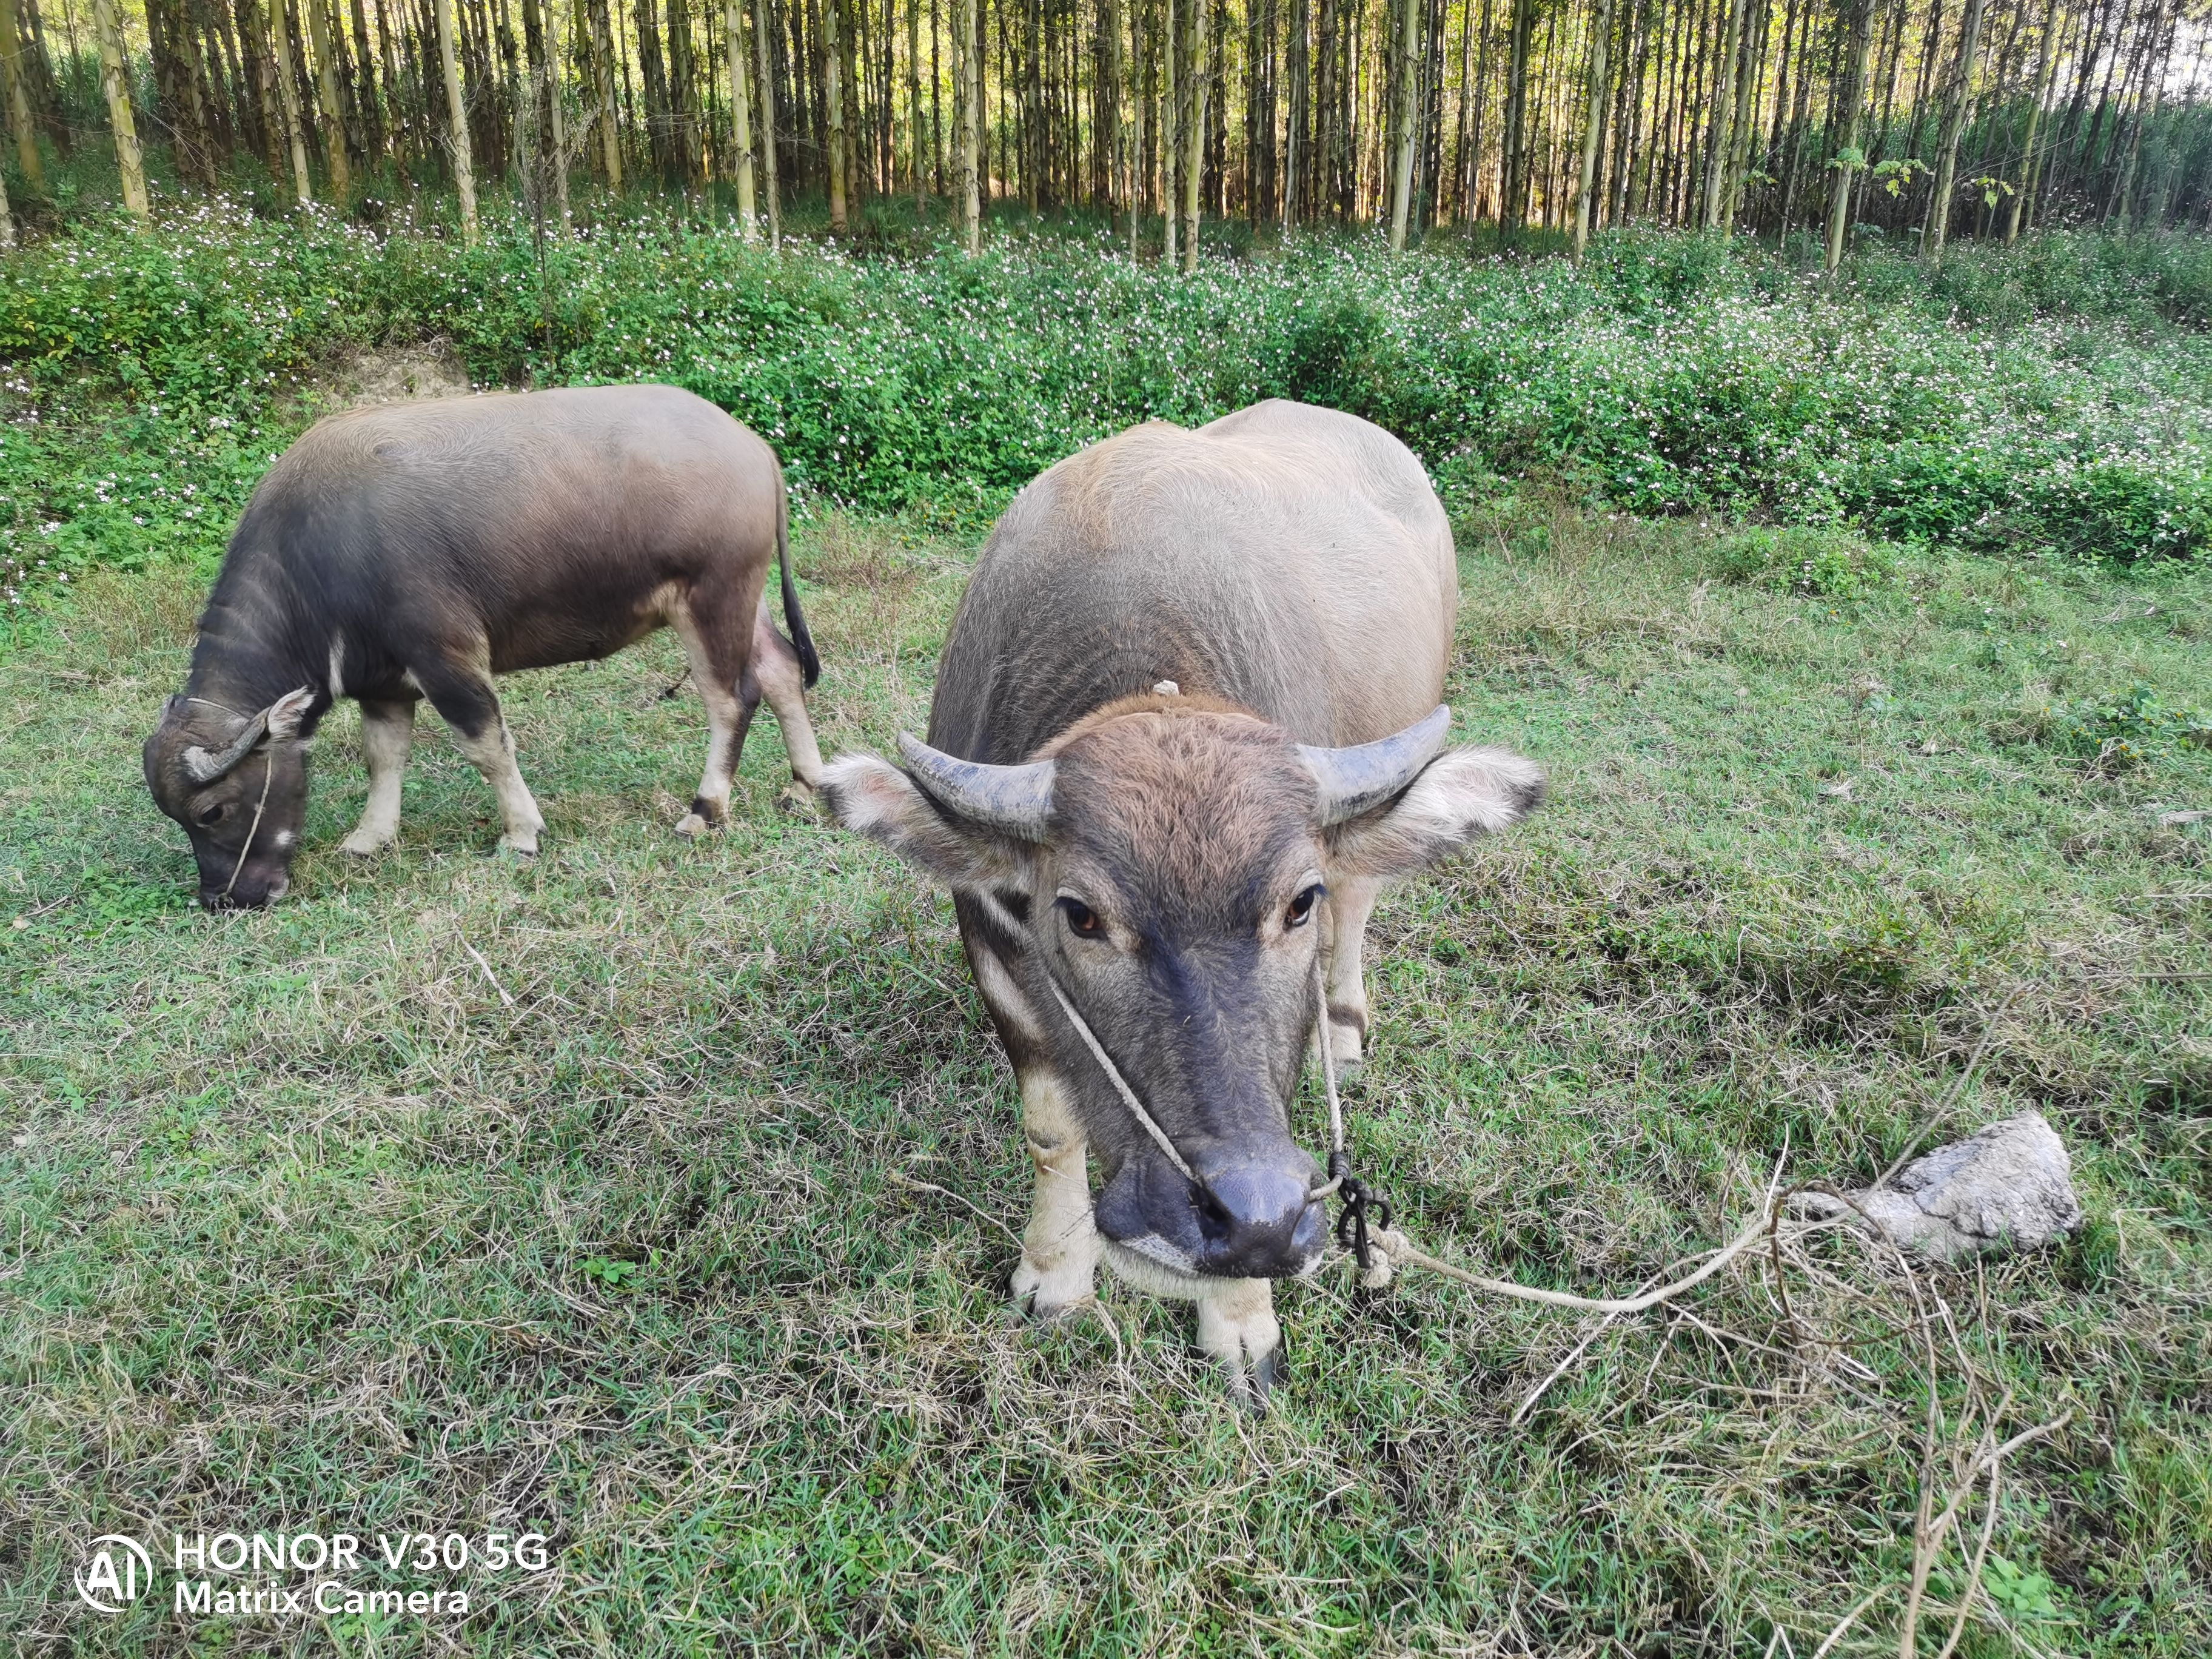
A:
x,y
1161,868
238,784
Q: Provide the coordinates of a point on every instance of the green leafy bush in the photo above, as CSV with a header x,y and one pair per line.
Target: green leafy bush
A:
x,y
151,375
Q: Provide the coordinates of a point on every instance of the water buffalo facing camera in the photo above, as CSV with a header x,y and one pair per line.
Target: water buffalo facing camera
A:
x,y
417,549
1186,727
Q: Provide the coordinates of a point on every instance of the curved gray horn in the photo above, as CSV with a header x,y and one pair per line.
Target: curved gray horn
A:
x,y
1016,800
203,767
1360,779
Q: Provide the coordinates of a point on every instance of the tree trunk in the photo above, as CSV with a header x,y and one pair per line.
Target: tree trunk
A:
x,y
1954,121
327,86
1113,136
2028,170
1848,157
1720,136
1171,113
767,82
1194,133
741,120
1513,190
1402,157
967,120
557,114
833,102
915,155
115,81
464,178
288,94
603,75
1593,125
22,119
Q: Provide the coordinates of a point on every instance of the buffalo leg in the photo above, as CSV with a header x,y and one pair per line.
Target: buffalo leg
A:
x,y
465,699
1236,1322
387,732
1344,915
731,690
776,665
1059,1268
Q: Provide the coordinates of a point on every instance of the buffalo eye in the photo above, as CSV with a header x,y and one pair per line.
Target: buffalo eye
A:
x,y
1302,906
212,816
1082,920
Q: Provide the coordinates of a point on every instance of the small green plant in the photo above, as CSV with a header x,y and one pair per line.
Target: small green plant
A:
x,y
614,1274
2123,731
1832,564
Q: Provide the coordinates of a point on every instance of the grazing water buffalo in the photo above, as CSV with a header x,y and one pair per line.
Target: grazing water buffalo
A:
x,y
417,549
1181,867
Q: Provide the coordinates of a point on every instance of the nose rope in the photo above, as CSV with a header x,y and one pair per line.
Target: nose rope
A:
x,y
268,775
1351,1226
1114,1076
1360,1202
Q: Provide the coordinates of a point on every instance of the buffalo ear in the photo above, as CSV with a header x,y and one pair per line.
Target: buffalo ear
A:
x,y
874,799
286,715
1462,794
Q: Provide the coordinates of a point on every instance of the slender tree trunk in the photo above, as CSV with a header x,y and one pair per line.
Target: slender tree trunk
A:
x,y
833,97
1593,124
2028,168
1954,121
603,73
1513,204
1847,159
967,112
22,120
915,155
741,120
1171,127
556,114
1114,138
464,178
115,81
1195,133
333,114
1720,134
767,83
1402,158
287,88
1751,63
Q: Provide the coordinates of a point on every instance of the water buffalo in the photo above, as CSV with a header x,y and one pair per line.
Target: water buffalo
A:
x,y
1186,725
417,549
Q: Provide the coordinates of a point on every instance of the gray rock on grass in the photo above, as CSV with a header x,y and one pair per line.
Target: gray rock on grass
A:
x,y
2009,1187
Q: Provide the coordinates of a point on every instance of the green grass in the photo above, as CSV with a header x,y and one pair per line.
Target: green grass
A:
x,y
313,1218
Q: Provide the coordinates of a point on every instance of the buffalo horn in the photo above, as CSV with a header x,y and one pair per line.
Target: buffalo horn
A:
x,y
203,768
1361,778
1016,800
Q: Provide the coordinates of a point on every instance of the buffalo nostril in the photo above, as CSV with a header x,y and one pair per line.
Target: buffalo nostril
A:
x,y
1215,1224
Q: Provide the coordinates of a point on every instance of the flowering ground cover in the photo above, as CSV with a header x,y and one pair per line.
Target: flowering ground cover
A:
x,y
2055,403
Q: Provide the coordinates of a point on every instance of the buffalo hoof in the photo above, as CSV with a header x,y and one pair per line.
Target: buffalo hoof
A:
x,y
796,800
364,847
691,826
1253,1388
515,847
1047,1298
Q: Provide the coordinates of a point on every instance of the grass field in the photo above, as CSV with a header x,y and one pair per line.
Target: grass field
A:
x,y
460,1195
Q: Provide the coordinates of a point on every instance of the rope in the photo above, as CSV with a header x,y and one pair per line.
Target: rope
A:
x,y
1114,1076
268,775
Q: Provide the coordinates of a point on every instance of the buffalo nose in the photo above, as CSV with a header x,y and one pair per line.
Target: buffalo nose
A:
x,y
1257,1222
